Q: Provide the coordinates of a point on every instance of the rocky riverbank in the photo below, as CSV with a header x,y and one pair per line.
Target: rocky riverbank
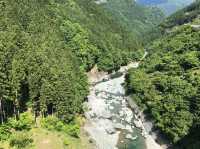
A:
x,y
110,119
146,127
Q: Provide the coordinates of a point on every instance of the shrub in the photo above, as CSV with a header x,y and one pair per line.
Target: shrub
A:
x,y
4,132
20,140
72,130
24,123
49,123
53,123
59,126
66,142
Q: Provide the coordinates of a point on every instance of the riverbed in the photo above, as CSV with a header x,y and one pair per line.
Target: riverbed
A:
x,y
111,123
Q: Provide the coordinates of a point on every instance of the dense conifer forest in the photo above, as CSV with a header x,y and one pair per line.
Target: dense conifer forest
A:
x,y
46,48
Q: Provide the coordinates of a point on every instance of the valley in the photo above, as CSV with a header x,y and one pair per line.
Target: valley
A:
x,y
111,122
99,74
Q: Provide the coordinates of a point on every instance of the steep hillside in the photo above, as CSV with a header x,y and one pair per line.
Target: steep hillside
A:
x,y
135,18
183,16
168,82
168,6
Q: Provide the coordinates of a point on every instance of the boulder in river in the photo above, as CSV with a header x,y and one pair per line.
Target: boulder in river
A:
x,y
129,128
144,134
111,107
90,114
121,113
138,124
110,130
119,126
134,138
129,136
106,115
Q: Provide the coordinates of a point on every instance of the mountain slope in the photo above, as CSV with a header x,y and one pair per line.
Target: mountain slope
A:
x,y
168,82
135,18
116,41
183,16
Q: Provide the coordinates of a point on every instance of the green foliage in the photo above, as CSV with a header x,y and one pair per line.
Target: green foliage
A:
x,y
5,132
135,18
189,60
78,40
167,84
66,142
37,66
20,140
25,122
116,28
53,123
46,47
73,130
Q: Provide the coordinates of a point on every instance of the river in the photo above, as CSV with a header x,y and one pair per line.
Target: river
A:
x,y
111,123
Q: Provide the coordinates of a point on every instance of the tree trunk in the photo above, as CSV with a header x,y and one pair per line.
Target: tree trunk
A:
x,y
17,106
52,111
14,110
43,114
35,117
1,112
18,113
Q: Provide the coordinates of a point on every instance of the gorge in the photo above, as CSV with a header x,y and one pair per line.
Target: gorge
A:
x,y
111,123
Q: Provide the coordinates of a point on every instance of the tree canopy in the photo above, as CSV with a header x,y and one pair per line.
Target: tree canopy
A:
x,y
167,84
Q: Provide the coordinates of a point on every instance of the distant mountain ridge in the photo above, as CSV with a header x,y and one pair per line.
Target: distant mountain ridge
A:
x,y
168,6
137,19
151,2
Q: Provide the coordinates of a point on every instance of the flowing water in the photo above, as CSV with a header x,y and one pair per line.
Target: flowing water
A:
x,y
110,120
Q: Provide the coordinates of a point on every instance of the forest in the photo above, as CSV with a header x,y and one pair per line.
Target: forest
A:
x,y
46,48
167,84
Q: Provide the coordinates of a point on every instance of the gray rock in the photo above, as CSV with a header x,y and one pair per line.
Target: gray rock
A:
x,y
93,115
144,134
196,27
128,136
138,124
87,115
111,107
121,113
119,126
134,138
110,130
